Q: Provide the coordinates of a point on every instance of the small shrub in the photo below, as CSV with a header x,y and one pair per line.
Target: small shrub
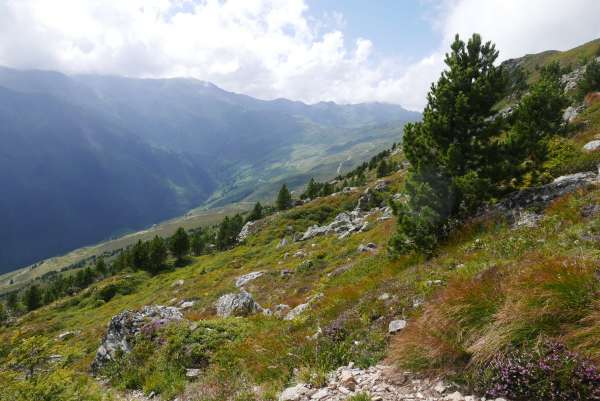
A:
x,y
362,396
548,373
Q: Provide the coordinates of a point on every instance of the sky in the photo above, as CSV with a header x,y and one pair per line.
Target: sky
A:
x,y
347,51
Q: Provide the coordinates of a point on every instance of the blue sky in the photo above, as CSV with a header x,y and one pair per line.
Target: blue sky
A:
x,y
347,51
398,28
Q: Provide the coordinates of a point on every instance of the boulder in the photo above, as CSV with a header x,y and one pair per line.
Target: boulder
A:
x,y
295,393
246,278
240,304
396,325
342,225
282,243
192,373
297,311
177,283
380,185
370,247
247,230
592,146
281,310
541,196
186,304
124,326
570,114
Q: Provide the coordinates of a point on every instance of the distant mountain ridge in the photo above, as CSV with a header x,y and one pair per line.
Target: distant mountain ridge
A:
x,y
85,157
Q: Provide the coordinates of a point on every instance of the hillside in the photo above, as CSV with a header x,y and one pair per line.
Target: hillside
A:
x,y
86,158
310,302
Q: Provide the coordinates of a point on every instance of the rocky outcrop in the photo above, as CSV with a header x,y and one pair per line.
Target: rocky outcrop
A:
x,y
343,225
246,278
124,326
248,229
240,304
592,146
380,383
512,206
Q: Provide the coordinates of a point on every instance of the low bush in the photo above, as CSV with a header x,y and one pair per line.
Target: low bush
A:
x,y
550,372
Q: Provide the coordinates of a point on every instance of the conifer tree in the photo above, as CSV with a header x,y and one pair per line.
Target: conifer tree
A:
x,y
101,266
454,156
382,168
157,254
256,213
12,301
198,243
180,244
284,198
140,255
32,298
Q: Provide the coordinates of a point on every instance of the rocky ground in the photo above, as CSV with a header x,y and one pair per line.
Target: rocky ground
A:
x,y
379,383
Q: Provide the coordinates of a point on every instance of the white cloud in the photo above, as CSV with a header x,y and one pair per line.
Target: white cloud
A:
x,y
269,48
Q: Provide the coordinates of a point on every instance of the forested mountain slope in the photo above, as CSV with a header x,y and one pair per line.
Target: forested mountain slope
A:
x,y
84,158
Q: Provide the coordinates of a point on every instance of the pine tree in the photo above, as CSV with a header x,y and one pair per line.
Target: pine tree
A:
x,y
101,266
198,243
382,168
180,244
454,155
12,301
3,313
312,189
157,254
538,117
140,255
256,213
32,298
284,198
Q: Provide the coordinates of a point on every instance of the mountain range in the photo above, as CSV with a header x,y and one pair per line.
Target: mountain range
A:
x,y
88,157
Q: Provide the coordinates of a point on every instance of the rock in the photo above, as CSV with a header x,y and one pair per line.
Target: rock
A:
x,y
124,326
177,283
570,114
384,297
286,273
541,196
347,380
281,310
295,393
387,214
319,395
297,311
192,373
65,335
343,225
397,197
282,243
300,254
240,304
396,325
186,304
370,247
590,210
380,185
455,396
348,190
248,229
592,146
246,278
524,218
